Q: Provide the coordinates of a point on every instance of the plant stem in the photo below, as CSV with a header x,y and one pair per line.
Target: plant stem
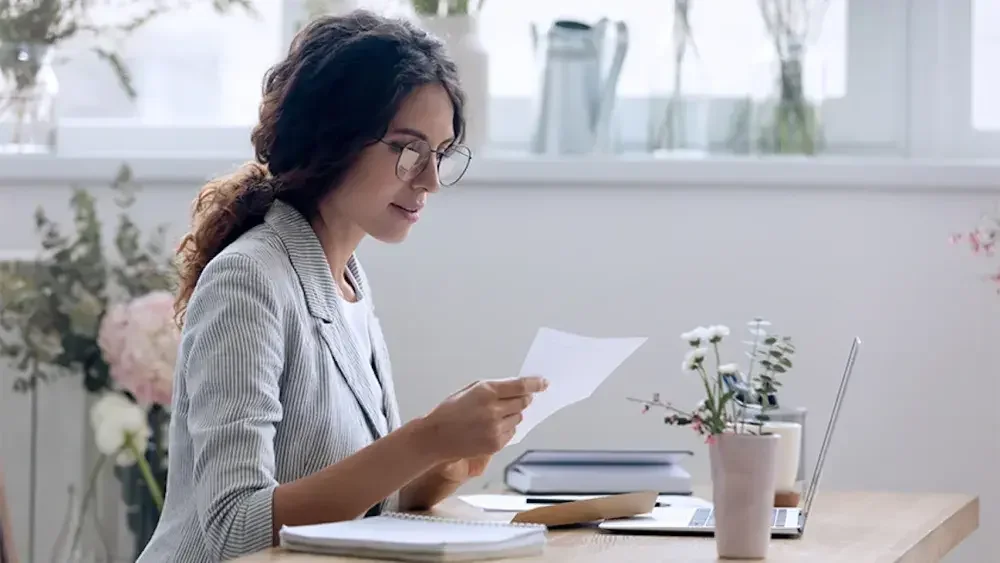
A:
x,y
666,406
147,474
91,483
718,385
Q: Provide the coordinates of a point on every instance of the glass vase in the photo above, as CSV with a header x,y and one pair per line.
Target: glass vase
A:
x,y
142,514
28,93
786,101
680,84
81,539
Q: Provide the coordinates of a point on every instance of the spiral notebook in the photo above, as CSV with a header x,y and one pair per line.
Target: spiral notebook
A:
x,y
408,537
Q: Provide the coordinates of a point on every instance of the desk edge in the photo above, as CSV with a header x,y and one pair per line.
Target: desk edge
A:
x,y
946,535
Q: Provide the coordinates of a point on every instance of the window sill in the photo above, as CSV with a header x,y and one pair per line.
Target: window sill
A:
x,y
516,169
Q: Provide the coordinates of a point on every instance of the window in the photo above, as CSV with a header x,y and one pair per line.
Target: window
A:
x,y
729,33
985,54
900,77
860,86
192,69
953,90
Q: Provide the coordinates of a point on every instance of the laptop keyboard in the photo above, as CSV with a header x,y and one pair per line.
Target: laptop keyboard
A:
x,y
705,517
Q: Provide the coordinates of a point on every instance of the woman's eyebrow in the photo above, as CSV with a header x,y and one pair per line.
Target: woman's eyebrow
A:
x,y
408,131
418,134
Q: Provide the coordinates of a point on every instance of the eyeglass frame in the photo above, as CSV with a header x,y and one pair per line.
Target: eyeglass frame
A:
x,y
433,151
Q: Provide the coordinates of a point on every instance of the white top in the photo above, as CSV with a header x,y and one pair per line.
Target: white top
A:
x,y
357,319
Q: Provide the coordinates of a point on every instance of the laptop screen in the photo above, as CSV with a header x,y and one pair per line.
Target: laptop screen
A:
x,y
827,438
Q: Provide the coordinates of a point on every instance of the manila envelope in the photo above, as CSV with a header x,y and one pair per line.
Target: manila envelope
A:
x,y
590,510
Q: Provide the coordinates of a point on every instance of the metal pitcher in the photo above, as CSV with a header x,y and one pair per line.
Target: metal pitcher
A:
x,y
579,82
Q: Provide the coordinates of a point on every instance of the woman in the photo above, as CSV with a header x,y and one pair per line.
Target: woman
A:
x,y
283,405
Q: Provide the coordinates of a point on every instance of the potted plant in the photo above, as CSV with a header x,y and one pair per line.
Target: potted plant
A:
x,y
456,22
743,454
761,403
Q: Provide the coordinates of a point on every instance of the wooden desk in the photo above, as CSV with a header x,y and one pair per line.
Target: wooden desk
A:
x,y
844,527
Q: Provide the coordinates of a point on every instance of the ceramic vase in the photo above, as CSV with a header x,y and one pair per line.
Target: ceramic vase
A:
x,y
460,34
787,466
744,467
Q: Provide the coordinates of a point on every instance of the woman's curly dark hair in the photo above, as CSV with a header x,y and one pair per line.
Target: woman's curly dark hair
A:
x,y
335,93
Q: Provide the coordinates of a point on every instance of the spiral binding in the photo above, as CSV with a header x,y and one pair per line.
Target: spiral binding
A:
x,y
460,522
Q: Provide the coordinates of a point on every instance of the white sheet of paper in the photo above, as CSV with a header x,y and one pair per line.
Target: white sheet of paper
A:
x,y
575,367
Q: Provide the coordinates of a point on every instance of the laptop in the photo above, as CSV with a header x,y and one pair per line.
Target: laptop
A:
x,y
786,522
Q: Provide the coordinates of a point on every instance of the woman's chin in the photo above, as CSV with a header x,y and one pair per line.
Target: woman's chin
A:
x,y
393,235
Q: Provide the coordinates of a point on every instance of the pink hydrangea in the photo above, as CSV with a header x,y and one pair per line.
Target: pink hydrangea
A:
x,y
139,342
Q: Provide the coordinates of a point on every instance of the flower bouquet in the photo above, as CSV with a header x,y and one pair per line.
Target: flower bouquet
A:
x,y
743,453
77,311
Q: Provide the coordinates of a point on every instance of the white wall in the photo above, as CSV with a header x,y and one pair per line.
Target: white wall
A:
x,y
487,265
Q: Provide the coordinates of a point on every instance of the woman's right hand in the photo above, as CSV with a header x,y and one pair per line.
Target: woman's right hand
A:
x,y
481,418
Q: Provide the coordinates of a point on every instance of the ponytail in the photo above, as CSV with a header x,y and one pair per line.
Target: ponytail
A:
x,y
225,208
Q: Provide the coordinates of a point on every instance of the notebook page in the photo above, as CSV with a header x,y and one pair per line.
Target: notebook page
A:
x,y
409,533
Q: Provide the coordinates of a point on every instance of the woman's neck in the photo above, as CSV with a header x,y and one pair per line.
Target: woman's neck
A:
x,y
339,239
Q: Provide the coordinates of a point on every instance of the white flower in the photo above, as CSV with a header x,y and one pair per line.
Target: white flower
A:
x,y
716,333
695,336
693,358
114,419
729,369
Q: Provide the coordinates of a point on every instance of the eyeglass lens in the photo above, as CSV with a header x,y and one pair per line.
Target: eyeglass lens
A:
x,y
415,156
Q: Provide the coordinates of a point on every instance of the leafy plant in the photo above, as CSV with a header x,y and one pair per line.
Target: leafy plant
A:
x,y
795,125
771,355
51,307
729,392
51,314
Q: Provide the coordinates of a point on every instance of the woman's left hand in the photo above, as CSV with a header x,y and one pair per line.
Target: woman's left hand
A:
x,y
460,471
441,481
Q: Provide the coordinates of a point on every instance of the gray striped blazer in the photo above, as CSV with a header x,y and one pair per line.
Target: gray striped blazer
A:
x,y
269,387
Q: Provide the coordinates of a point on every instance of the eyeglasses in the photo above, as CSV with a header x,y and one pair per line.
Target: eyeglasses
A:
x,y
414,156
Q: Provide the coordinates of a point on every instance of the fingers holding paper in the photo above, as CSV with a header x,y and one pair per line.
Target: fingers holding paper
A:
x,y
518,386
481,418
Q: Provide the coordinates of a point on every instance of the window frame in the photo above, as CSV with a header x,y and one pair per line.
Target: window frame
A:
x,y
941,66
873,118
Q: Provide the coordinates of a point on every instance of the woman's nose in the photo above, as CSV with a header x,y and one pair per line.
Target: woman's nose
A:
x,y
428,178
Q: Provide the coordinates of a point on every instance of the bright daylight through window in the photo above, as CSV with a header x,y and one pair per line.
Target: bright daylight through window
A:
x,y
728,34
807,77
985,54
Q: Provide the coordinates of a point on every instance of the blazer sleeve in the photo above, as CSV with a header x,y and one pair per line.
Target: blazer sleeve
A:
x,y
235,361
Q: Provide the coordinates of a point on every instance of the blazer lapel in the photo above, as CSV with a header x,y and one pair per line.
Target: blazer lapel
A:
x,y
384,369
380,351
320,290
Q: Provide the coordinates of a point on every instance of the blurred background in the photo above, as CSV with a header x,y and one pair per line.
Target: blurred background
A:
x,y
829,165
